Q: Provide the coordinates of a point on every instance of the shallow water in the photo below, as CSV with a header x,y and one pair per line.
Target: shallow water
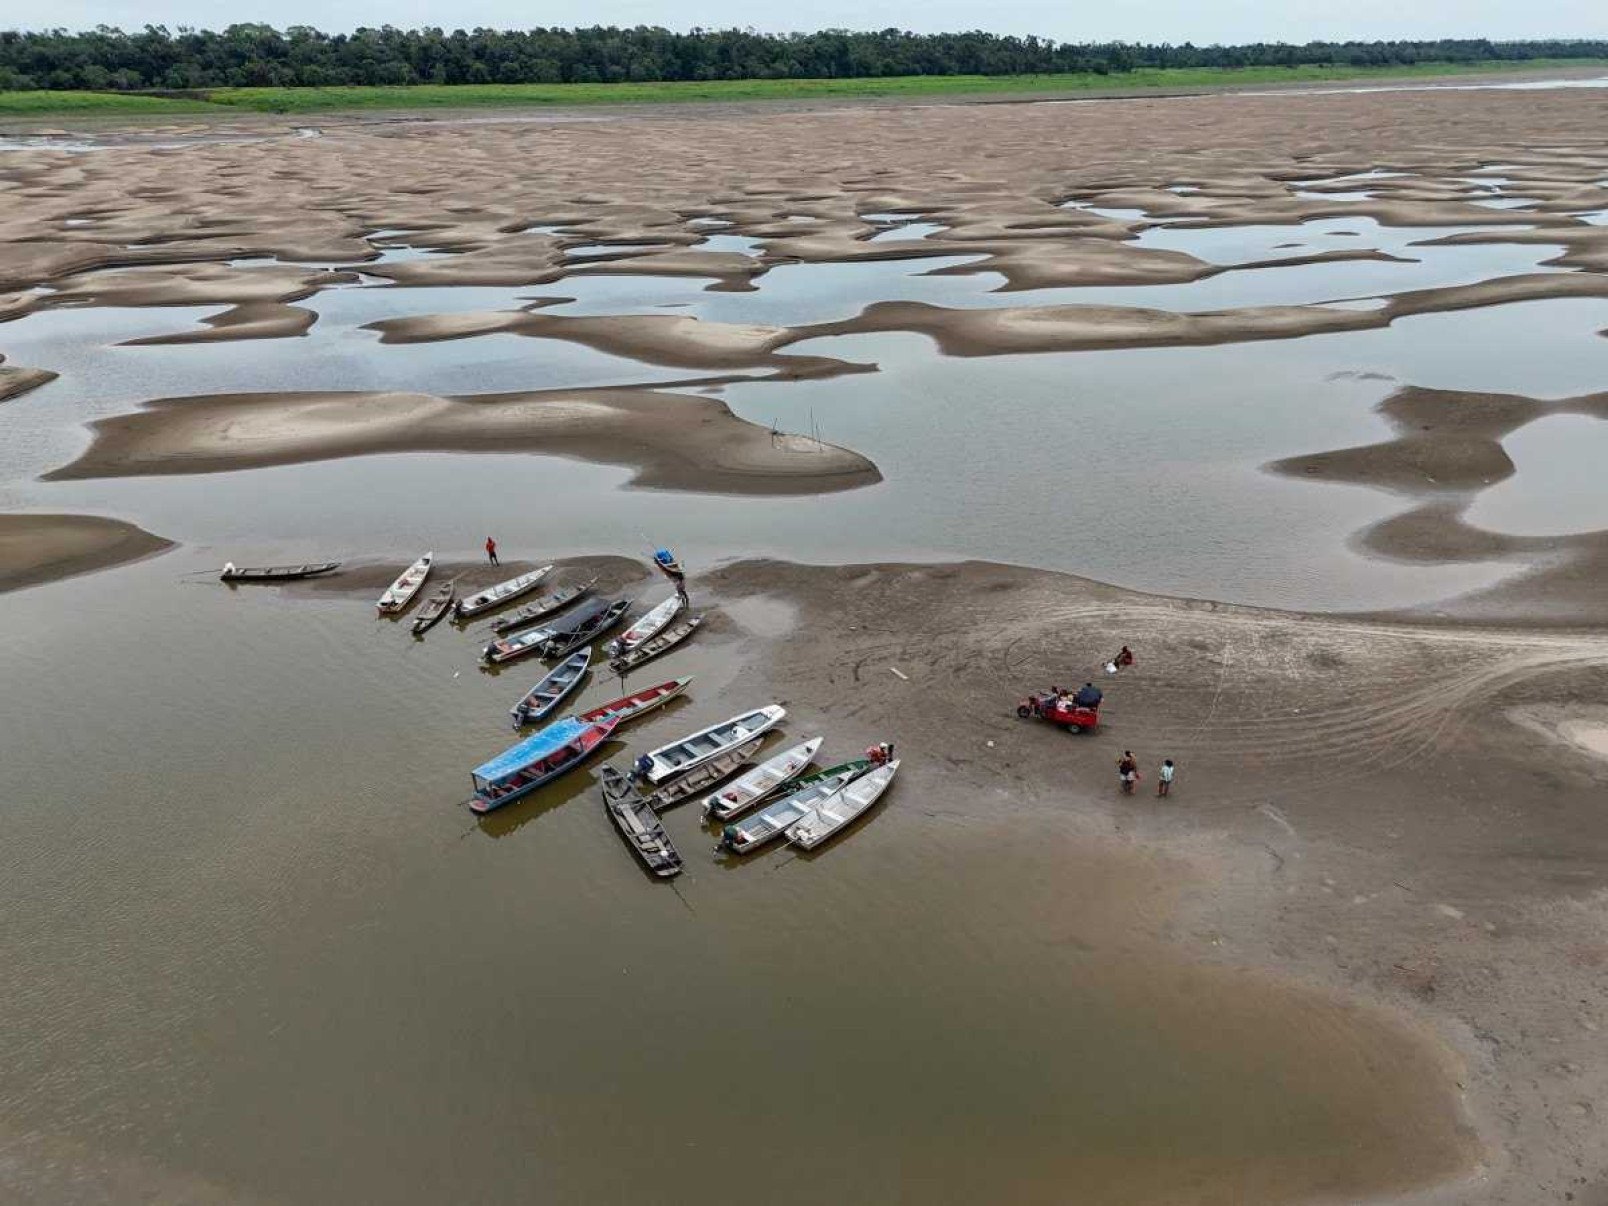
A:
x,y
1557,488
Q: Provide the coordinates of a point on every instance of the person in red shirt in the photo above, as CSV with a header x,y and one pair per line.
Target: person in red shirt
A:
x,y
491,551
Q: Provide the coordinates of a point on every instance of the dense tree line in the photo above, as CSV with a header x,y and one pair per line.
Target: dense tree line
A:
x,y
244,55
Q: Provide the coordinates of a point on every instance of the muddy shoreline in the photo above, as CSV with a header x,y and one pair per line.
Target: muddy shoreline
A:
x,y
35,549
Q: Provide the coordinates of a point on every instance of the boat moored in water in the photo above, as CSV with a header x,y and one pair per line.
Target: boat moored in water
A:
x,y
638,703
650,625
723,766
546,695
776,817
400,593
836,811
276,573
764,780
545,606
503,592
434,609
655,646
639,825
679,757
540,758
576,629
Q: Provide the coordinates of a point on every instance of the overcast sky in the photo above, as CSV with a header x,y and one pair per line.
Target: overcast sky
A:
x,y
1130,20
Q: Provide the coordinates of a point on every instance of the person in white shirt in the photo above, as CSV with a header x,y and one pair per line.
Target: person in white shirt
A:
x,y
1164,780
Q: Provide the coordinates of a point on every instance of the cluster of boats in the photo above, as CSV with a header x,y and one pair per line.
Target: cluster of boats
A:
x,y
755,803
806,809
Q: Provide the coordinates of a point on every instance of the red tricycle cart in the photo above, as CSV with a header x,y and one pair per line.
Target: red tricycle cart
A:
x,y
1073,717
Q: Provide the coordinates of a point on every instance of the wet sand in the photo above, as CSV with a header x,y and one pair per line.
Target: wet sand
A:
x,y
673,441
44,548
16,380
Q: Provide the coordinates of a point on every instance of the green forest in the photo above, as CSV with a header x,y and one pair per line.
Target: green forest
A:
x,y
160,60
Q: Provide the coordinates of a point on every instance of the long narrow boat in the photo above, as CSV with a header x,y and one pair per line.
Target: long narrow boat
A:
x,y
434,609
693,750
540,758
652,648
400,593
766,779
568,638
649,626
834,813
546,695
503,592
639,703
537,609
534,640
638,824
705,776
276,573
776,817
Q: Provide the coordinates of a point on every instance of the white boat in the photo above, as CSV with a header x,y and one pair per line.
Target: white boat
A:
x,y
779,815
503,592
648,627
765,779
695,749
400,593
841,807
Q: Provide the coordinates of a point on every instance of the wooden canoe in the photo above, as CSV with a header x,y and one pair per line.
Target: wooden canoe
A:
x,y
400,593
650,625
566,640
276,573
705,775
546,695
503,592
545,606
655,646
434,609
638,825
639,703
779,815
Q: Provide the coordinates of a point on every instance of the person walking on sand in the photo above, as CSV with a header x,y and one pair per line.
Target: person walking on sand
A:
x,y
1164,780
491,551
1127,771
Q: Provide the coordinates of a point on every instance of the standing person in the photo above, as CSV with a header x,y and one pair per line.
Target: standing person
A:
x,y
491,551
1164,780
1127,771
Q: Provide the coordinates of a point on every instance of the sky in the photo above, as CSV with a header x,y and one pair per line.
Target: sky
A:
x,y
1224,21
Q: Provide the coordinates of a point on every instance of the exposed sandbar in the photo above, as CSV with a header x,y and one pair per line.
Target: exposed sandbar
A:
x,y
673,441
16,380
252,320
44,548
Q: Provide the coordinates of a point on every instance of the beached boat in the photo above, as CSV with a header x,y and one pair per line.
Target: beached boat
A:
x,y
400,593
516,645
650,625
705,776
775,818
834,813
434,609
573,633
655,646
667,564
546,695
639,825
540,758
764,780
638,703
503,592
276,573
693,750
540,608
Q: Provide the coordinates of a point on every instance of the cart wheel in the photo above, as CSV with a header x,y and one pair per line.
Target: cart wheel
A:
x,y
1074,728
1023,711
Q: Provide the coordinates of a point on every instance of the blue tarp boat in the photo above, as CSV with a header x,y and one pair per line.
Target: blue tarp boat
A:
x,y
540,758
